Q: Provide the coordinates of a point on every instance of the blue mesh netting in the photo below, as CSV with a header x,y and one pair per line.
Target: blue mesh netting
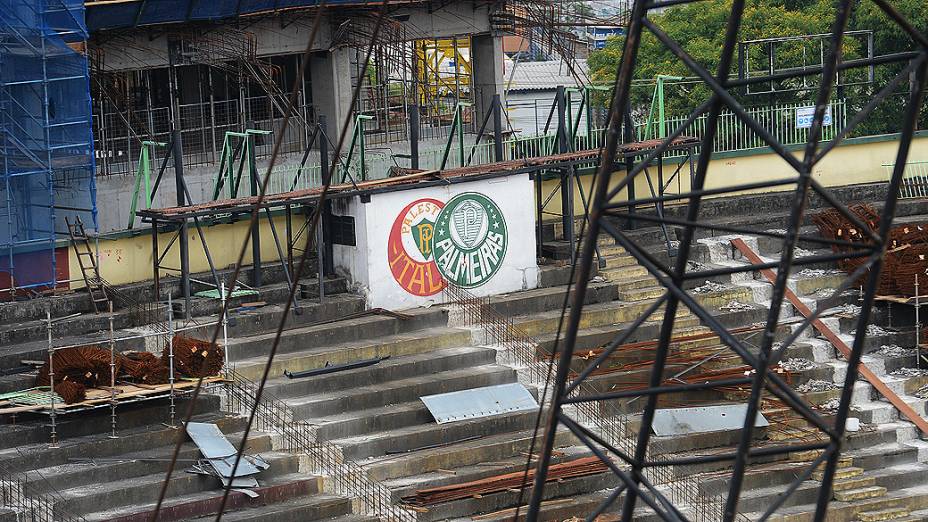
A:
x,y
46,145
131,14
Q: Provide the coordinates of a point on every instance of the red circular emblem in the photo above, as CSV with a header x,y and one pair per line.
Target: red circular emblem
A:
x,y
409,248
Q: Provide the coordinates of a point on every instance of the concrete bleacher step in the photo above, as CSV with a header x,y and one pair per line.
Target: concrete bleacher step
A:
x,y
482,451
908,490
615,261
408,485
540,300
641,294
560,509
540,324
127,466
26,446
333,331
125,494
194,504
895,513
397,391
317,506
848,495
422,364
407,343
69,330
466,509
595,337
840,474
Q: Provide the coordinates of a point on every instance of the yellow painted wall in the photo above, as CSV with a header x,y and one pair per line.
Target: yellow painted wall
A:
x,y
848,164
129,259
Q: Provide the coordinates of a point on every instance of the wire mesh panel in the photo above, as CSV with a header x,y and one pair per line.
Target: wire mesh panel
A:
x,y
636,458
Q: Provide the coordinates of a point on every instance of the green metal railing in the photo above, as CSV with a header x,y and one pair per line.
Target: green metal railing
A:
x,y
733,135
779,120
914,179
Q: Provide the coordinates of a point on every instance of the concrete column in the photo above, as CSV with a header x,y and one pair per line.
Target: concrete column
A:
x,y
330,74
486,59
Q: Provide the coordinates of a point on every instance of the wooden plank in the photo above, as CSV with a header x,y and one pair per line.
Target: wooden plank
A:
x,y
99,396
871,377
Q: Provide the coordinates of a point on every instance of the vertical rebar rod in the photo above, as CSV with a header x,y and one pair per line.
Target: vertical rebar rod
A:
x,y
112,374
918,327
225,328
170,312
51,378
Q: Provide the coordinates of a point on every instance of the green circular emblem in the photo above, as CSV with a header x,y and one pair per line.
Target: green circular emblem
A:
x,y
470,240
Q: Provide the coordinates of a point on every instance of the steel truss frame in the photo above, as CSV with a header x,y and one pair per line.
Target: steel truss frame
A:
x,y
633,467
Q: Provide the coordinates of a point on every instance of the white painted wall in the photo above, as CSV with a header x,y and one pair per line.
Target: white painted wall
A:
x,y
367,267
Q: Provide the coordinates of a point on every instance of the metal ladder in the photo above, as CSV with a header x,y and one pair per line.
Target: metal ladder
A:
x,y
87,262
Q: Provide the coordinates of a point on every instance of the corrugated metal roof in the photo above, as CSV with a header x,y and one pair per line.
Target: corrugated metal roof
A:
x,y
543,76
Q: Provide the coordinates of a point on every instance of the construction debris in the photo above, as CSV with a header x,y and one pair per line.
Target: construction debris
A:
x,y
709,287
220,455
816,385
332,368
873,330
557,472
797,364
894,350
735,306
909,372
815,272
830,406
848,309
922,393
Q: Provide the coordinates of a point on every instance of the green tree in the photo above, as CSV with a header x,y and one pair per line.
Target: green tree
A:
x,y
700,29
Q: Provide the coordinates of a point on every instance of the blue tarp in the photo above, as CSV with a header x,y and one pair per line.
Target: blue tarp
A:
x,y
150,12
46,141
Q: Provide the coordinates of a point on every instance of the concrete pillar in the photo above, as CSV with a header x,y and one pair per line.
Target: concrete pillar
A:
x,y
486,59
330,74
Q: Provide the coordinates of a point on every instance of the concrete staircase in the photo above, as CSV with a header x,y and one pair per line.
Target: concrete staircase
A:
x,y
375,415
881,475
123,477
99,478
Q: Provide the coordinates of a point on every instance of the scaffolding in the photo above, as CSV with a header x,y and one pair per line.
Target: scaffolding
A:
x,y
46,145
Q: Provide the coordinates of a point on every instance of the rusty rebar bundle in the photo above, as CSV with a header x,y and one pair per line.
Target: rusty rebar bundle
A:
x,y
86,365
71,392
907,249
194,357
145,367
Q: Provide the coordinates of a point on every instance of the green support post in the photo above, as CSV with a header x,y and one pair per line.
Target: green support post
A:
x,y
658,99
143,173
457,127
244,152
357,138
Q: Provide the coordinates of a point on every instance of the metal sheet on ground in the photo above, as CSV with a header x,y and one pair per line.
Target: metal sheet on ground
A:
x,y
681,421
479,402
220,452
